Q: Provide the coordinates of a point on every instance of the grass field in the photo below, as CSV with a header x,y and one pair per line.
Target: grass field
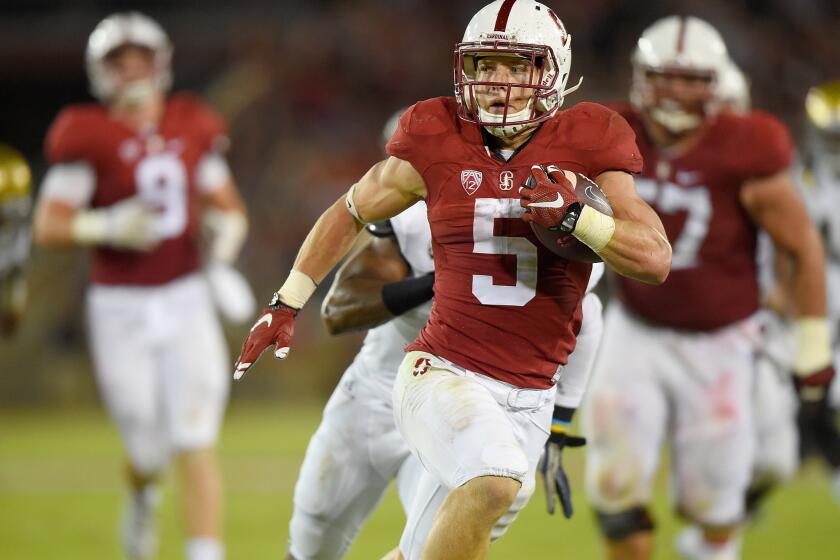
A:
x,y
60,494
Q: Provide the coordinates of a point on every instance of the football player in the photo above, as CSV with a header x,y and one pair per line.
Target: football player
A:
x,y
15,206
820,183
677,360
473,397
357,450
131,177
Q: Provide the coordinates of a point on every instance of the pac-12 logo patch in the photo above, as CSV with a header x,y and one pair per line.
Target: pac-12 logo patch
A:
x,y
471,180
506,180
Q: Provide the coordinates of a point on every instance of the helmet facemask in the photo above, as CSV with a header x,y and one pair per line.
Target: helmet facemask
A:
x,y
539,87
679,109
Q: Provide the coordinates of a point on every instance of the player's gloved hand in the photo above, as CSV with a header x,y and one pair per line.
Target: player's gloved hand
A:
x,y
547,196
274,327
128,224
555,481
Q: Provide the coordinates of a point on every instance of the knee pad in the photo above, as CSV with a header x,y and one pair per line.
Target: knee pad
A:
x,y
619,526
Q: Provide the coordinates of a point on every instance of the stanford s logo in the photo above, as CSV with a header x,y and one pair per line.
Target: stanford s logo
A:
x,y
471,180
506,180
421,366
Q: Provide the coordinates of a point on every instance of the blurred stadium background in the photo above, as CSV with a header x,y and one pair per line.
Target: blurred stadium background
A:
x,y
306,87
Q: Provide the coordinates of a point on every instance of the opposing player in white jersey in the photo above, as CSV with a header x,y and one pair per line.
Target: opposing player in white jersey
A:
x,y
357,450
819,178
135,177
15,206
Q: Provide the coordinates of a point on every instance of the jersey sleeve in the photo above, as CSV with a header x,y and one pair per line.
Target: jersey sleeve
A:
x,y
768,147
70,138
419,132
617,149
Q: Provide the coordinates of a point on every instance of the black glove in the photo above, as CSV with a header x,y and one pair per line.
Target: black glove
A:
x,y
555,481
818,432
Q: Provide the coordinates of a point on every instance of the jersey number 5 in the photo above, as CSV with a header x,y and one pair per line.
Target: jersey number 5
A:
x,y
162,182
487,210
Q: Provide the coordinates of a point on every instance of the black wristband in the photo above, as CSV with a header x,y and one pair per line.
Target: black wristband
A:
x,y
407,294
563,414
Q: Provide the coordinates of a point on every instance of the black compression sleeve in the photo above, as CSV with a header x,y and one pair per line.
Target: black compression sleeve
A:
x,y
407,294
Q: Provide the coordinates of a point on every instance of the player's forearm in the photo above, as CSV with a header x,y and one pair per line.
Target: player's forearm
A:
x,y
809,287
638,251
357,305
328,242
53,225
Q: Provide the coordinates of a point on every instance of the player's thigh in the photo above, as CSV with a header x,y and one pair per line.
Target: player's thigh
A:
x,y
625,415
713,432
338,486
454,424
196,368
531,429
127,373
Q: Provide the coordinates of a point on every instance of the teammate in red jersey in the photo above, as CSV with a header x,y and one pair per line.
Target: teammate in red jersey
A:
x,y
133,178
474,395
677,359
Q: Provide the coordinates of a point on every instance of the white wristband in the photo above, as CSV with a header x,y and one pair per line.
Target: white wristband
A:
x,y
297,289
229,231
813,345
89,227
594,229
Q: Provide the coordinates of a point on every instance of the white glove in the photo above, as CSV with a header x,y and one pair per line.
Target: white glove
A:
x,y
128,224
231,293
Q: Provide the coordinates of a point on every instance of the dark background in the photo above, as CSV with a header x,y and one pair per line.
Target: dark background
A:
x,y
306,87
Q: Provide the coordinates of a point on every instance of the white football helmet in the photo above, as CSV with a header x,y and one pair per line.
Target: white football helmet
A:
x,y
686,45
129,28
734,90
522,28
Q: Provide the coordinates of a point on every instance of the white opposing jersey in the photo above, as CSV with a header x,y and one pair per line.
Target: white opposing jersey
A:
x,y
382,352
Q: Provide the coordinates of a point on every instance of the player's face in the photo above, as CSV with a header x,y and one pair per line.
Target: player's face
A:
x,y
131,64
505,70
688,90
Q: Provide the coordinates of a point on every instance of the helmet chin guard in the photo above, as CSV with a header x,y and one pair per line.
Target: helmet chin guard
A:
x,y
522,29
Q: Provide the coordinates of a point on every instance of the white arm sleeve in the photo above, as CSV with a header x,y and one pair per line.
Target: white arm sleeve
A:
x,y
575,375
212,172
72,183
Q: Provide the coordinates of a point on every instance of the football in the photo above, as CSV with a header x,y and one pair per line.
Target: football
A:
x,y
562,244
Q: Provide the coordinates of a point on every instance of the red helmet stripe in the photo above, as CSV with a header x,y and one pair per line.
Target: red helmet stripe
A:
x,y
681,36
504,14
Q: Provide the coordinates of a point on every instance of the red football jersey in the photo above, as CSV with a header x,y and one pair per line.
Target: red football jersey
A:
x,y
159,165
504,305
713,280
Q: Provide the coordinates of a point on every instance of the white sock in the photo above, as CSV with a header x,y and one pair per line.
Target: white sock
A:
x,y
730,550
204,548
